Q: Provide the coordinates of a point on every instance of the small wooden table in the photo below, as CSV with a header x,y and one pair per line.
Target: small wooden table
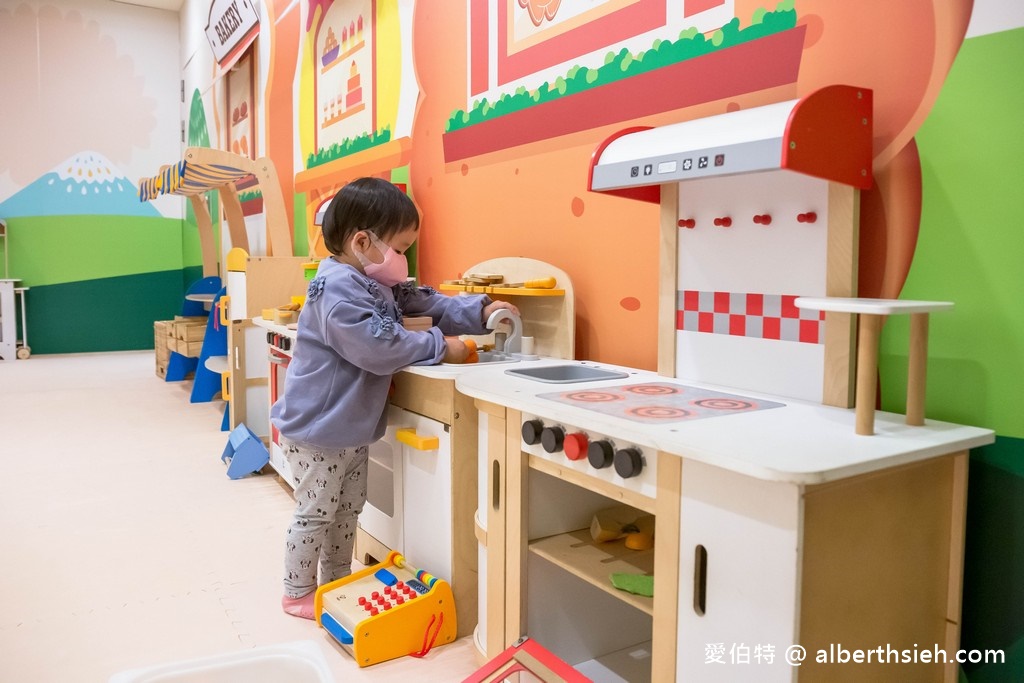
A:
x,y
871,312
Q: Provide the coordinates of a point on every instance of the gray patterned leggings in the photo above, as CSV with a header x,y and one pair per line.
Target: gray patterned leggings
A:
x,y
330,489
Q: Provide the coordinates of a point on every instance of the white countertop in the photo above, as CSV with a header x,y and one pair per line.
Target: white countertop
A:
x,y
800,443
274,327
442,371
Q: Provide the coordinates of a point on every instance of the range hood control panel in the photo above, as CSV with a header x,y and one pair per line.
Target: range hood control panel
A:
x,y
751,157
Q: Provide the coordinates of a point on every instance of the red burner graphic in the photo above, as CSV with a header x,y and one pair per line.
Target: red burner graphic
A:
x,y
724,404
651,390
592,396
658,412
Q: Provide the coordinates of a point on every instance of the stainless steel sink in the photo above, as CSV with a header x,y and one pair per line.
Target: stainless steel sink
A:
x,y
495,357
566,374
489,357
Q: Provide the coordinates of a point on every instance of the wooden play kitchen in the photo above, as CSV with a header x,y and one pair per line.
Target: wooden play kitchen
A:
x,y
783,517
250,283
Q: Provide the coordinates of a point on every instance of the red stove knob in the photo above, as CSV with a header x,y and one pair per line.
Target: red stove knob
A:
x,y
723,222
628,462
576,446
600,453
375,595
362,600
531,431
809,217
687,223
552,438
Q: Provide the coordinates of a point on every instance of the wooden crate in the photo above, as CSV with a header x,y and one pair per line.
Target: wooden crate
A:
x,y
161,337
189,330
192,349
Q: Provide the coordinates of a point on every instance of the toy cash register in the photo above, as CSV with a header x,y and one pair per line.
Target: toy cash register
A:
x,y
386,611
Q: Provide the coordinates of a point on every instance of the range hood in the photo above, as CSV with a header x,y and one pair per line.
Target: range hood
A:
x,y
826,134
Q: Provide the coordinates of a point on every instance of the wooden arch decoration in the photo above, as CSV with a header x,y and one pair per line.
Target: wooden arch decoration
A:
x,y
204,169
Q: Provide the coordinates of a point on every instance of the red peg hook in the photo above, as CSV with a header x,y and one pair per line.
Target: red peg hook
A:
x,y
687,223
763,219
809,217
723,222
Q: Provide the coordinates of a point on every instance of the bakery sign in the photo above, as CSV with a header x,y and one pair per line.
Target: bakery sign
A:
x,y
232,26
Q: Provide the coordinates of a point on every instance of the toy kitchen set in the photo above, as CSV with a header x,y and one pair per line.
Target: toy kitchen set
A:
x,y
784,510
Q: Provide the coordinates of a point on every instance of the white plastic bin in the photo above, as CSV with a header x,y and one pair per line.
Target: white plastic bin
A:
x,y
297,662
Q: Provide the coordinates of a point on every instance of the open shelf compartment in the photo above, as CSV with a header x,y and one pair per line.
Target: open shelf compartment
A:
x,y
595,562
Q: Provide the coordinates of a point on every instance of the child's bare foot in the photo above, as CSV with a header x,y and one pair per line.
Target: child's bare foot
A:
x,y
299,607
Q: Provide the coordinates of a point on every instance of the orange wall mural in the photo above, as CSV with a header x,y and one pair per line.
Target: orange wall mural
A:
x,y
521,189
356,98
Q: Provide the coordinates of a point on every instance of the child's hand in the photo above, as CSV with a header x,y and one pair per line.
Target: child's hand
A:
x,y
497,305
457,351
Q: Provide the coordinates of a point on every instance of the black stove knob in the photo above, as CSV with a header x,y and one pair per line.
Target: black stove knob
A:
x,y
600,453
270,337
286,343
531,431
628,462
552,438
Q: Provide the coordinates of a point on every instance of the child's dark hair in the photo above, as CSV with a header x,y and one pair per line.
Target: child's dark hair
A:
x,y
367,204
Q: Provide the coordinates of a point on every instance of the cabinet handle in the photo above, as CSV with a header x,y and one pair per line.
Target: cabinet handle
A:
x,y
225,377
421,443
223,309
700,580
495,485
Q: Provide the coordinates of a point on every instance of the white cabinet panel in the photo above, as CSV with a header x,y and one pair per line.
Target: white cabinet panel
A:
x,y
749,529
427,498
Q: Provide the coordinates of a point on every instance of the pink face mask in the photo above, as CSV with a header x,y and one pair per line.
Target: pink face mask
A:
x,y
391,271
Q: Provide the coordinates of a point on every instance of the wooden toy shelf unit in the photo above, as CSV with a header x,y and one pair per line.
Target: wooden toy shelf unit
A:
x,y
252,283
205,169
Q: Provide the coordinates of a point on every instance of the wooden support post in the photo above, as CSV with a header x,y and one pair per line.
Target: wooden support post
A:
x,y
206,242
871,312
867,373
233,216
917,369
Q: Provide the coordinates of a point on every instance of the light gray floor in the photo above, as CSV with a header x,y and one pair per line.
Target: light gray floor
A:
x,y
124,544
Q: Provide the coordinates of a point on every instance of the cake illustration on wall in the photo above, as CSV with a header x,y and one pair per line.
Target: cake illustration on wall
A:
x,y
331,48
85,184
355,90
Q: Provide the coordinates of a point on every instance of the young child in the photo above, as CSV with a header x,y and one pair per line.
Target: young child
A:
x,y
350,341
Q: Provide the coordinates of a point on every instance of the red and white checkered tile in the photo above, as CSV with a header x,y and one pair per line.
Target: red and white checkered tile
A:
x,y
763,316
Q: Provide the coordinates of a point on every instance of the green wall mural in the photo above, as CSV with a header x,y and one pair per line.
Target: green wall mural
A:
x,y
110,264
969,252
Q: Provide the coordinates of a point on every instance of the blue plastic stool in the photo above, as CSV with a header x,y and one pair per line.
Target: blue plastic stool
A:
x,y
244,453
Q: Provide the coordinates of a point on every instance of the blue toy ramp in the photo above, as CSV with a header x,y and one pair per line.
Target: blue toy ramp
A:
x,y
245,453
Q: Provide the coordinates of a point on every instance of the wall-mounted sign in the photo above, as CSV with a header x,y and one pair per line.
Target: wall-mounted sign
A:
x,y
232,26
